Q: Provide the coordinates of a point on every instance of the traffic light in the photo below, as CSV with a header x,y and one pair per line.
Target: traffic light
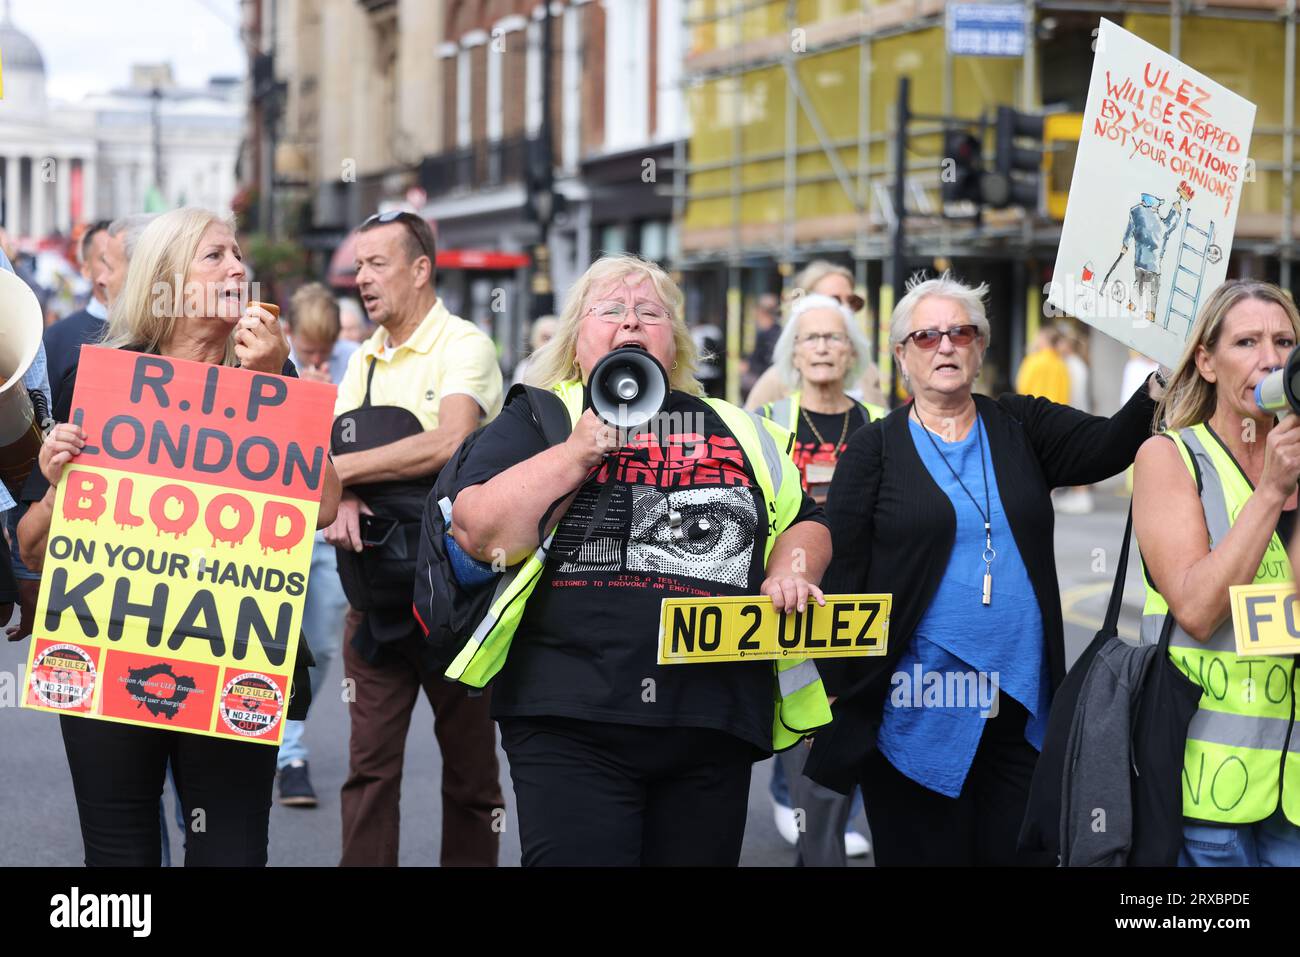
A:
x,y
962,180
1015,176
539,184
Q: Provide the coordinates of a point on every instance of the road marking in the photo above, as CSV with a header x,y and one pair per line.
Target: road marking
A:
x,y
1073,596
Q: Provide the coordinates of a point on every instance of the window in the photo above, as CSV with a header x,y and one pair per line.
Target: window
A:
x,y
463,134
533,80
613,239
668,100
627,93
654,240
571,24
493,94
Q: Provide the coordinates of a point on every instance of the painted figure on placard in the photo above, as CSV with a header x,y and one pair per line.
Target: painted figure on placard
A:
x,y
1150,232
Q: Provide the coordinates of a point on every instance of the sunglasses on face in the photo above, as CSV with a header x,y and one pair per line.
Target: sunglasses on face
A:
x,y
406,219
958,335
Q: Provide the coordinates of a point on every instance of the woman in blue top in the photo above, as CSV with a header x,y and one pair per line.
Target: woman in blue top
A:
x,y
946,505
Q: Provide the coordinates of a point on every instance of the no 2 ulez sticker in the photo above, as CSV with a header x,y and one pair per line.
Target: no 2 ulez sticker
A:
x,y
251,705
63,676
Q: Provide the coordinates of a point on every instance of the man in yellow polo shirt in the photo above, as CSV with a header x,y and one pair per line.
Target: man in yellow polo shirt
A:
x,y
411,394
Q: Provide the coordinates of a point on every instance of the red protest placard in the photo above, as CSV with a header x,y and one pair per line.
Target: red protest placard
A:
x,y
177,559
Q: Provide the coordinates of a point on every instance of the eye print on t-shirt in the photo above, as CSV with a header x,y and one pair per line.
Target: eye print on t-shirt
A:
x,y
706,533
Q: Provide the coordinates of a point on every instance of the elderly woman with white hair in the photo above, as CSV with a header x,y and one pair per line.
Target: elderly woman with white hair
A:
x,y
823,278
821,352
946,504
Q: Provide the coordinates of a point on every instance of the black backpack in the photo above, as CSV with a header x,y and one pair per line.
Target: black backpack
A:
x,y
448,611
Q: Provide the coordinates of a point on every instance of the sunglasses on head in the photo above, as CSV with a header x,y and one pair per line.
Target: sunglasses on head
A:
x,y
958,335
406,219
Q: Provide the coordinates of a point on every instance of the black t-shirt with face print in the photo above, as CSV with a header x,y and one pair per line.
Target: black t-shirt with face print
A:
x,y
586,647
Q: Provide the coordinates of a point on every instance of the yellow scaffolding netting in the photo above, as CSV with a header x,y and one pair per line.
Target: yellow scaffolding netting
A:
x,y
740,121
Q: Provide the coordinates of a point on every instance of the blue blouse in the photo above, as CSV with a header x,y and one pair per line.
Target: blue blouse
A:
x,y
965,652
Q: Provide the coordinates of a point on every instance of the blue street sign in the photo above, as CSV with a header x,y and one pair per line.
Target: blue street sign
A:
x,y
986,29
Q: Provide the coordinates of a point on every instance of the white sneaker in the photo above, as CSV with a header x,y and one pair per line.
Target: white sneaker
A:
x,y
856,845
785,826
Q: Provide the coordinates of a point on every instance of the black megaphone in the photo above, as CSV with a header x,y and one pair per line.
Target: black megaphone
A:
x,y
627,388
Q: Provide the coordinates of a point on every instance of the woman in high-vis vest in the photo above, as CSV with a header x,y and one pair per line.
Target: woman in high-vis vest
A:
x,y
614,759
821,352
1214,499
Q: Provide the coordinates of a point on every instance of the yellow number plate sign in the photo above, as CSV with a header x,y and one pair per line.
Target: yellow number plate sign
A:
x,y
1265,619
746,628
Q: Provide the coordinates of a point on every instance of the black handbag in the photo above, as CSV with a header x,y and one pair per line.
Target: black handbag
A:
x,y
1158,736
381,576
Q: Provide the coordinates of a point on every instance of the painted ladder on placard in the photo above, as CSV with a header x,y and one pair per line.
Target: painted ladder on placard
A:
x,y
1188,253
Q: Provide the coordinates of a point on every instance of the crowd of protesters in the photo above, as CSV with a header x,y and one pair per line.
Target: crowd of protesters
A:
x,y
944,501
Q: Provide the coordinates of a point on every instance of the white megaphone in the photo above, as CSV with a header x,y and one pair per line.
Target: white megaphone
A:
x,y
21,325
627,388
1279,391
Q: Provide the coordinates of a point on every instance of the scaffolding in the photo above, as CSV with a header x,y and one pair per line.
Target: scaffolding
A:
x,y
857,163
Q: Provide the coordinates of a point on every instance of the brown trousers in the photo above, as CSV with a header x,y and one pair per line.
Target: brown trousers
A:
x,y
471,786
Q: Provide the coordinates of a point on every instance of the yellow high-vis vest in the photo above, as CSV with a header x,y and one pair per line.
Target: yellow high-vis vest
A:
x,y
1242,744
800,699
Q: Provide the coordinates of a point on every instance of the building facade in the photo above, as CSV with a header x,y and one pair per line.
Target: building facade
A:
x,y
615,118
793,104
149,144
439,106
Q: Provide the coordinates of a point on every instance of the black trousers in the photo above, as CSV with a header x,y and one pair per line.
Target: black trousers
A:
x,y
623,795
914,826
118,772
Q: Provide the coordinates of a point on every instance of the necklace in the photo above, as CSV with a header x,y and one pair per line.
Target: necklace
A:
x,y
986,513
844,433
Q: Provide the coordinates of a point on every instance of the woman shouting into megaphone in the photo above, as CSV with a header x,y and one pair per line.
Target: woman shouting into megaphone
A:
x,y
614,759
1214,504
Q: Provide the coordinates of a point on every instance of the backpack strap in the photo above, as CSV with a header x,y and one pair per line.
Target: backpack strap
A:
x,y
549,412
370,377
554,419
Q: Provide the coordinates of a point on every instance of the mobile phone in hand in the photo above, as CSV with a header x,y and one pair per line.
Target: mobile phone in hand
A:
x,y
375,530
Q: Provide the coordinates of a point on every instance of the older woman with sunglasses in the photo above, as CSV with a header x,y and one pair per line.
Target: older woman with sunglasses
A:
x,y
946,505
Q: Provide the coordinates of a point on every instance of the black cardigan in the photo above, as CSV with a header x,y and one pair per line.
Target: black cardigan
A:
x,y
893,527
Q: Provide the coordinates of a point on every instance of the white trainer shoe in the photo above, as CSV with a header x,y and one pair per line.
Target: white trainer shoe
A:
x,y
856,845
785,826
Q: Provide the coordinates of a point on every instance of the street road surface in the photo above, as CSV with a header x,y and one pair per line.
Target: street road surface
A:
x,y
39,826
